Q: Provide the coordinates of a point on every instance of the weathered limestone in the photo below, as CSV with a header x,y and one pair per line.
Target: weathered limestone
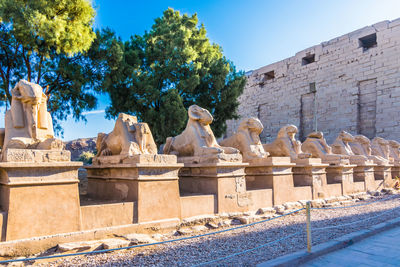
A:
x,y
197,143
247,140
343,86
307,171
363,172
286,145
127,139
28,133
394,148
38,183
316,145
275,173
380,149
265,173
362,146
127,168
210,169
340,170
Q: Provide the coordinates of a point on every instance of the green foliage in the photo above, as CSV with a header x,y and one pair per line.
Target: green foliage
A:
x,y
86,157
157,76
50,43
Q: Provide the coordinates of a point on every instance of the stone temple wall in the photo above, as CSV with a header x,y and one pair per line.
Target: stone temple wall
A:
x,y
351,83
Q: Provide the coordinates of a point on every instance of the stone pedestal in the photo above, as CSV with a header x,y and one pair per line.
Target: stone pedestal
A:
x,y
342,174
383,176
396,170
363,173
151,181
224,180
311,172
39,198
276,173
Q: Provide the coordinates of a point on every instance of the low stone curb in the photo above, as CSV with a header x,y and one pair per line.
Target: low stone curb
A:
x,y
303,256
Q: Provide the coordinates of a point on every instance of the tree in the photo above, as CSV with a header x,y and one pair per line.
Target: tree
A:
x,y
49,43
174,65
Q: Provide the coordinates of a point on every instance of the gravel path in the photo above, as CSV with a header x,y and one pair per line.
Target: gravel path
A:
x,y
204,249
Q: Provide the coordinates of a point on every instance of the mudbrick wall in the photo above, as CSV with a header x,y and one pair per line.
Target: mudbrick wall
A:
x,y
351,83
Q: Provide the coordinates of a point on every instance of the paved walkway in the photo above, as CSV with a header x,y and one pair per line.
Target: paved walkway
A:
x,y
380,250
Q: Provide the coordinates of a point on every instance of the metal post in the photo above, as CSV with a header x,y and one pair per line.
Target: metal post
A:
x,y
308,225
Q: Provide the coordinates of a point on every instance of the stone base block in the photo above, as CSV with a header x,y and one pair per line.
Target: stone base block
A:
x,y
276,174
396,171
197,205
226,181
214,158
36,155
107,215
342,174
314,175
153,187
39,199
140,159
384,173
261,198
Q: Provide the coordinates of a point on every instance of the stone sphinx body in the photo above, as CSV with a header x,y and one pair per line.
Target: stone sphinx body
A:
x,y
128,138
316,145
247,140
28,132
342,146
286,145
380,148
197,142
394,151
27,123
362,146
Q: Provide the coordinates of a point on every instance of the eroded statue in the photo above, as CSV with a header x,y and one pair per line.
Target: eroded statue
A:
x,y
362,146
380,148
127,139
286,145
29,126
394,149
316,145
197,143
342,146
247,140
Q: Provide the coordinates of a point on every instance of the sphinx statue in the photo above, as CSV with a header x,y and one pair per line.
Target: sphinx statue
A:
x,y
286,145
28,131
342,146
128,139
316,145
361,145
394,151
380,148
197,143
247,140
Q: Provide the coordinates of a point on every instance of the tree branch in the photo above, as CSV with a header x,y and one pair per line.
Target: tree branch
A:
x,y
39,69
27,63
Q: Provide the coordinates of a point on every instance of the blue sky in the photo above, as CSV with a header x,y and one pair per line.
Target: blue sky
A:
x,y
252,33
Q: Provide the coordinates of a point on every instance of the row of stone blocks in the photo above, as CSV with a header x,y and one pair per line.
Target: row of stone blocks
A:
x,y
43,199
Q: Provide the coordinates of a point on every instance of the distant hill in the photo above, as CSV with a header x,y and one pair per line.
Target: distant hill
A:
x,y
80,145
